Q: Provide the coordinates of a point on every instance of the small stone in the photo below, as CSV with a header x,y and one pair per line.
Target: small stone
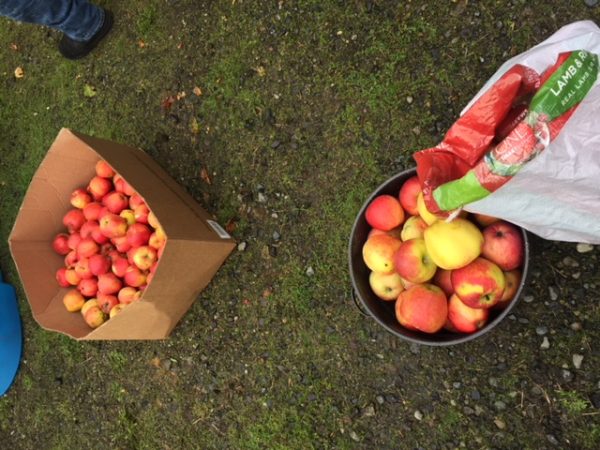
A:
x,y
418,415
553,294
475,395
528,298
500,423
567,375
456,385
415,349
354,436
545,345
276,236
576,326
577,360
468,411
523,320
570,262
479,410
262,198
576,275
369,411
275,144
380,399
493,382
242,246
541,330
591,3
500,405
310,271
409,99
552,439
584,248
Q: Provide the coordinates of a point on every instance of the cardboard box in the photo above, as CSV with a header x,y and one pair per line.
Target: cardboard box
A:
x,y
196,245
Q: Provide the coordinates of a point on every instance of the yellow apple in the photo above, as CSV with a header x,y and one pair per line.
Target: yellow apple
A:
x,y
452,245
413,228
386,286
428,217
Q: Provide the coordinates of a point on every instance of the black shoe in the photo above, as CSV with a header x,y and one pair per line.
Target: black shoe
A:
x,y
78,49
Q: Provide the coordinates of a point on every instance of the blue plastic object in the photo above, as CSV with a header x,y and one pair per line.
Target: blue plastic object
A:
x,y
11,336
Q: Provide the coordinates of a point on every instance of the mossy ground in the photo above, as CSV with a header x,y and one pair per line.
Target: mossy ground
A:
x,y
307,103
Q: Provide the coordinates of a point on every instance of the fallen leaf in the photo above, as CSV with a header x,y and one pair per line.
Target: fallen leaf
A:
x,y
267,292
155,362
261,71
141,44
14,46
19,72
205,176
168,102
180,45
89,90
197,91
194,126
230,226
180,95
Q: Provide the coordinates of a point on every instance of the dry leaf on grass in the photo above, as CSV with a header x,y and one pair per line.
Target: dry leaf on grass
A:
x,y
205,176
19,72
197,91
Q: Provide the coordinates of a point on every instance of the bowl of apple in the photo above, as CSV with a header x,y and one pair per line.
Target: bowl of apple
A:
x,y
428,279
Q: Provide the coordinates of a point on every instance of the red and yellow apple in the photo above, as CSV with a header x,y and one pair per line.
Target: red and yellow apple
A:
x,y
109,283
422,307
378,252
112,225
384,213
513,281
94,317
115,202
413,263
413,228
73,300
80,198
479,284
442,278
463,318
104,170
144,256
73,220
60,244
99,187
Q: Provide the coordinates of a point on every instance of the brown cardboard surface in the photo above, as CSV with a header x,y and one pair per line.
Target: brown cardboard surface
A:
x,y
193,253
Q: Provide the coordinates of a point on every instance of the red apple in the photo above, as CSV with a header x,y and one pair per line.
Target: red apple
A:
x,y
119,266
463,318
87,247
442,278
116,310
394,232
104,170
408,195
74,240
513,281
384,213
73,300
155,240
112,225
144,256
60,244
82,268
479,284
73,220
91,211
128,295
422,307
80,198
503,245
136,200
115,202
484,220
98,236
71,258
99,264
86,229
61,277
413,263
99,187
134,277
106,302
88,287
138,234
153,220
109,283
140,213
72,277
121,244
122,186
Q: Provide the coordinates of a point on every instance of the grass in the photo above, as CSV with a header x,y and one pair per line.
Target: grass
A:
x,y
312,104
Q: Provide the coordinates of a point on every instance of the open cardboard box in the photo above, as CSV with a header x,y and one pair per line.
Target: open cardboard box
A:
x,y
196,245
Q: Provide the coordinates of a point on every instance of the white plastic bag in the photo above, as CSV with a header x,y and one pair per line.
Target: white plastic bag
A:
x,y
557,194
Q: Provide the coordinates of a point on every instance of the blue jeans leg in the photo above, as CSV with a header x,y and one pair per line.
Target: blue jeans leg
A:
x,y
78,19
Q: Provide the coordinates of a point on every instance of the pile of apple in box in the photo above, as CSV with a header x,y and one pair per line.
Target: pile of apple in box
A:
x,y
111,247
442,274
